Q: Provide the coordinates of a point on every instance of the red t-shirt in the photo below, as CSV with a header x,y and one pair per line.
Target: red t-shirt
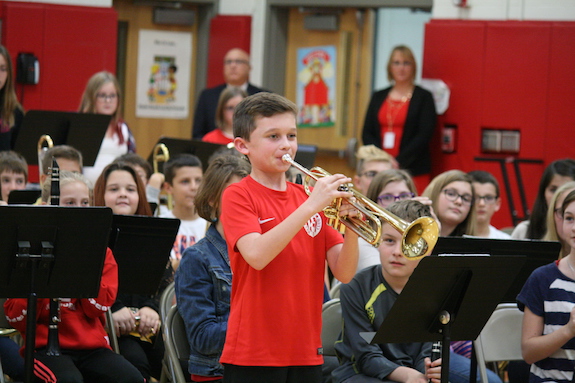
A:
x,y
216,136
275,316
82,320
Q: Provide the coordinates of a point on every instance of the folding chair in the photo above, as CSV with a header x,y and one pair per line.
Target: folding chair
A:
x,y
500,339
167,300
177,348
330,330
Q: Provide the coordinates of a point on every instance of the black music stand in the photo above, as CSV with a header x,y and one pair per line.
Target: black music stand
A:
x,y
203,150
83,131
145,242
538,253
23,197
447,298
305,155
51,252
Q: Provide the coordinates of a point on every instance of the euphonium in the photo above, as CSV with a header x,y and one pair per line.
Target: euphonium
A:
x,y
47,140
161,154
418,237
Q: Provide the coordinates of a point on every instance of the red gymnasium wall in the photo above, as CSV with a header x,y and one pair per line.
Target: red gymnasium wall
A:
x,y
226,32
507,75
70,42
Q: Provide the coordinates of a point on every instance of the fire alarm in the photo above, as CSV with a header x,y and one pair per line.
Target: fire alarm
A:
x,y
460,3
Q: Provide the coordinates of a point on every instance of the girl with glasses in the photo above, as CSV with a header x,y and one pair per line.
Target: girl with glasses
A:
x,y
452,199
102,96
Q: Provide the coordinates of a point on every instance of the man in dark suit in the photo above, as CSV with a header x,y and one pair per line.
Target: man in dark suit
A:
x,y
236,72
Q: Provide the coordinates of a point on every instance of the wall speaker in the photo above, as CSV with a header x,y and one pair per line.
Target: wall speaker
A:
x,y
319,22
174,16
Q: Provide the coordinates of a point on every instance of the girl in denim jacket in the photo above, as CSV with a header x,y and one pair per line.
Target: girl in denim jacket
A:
x,y
203,280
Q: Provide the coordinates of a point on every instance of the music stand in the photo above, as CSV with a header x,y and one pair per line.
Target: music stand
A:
x,y
203,150
83,131
51,252
447,298
145,242
538,253
23,197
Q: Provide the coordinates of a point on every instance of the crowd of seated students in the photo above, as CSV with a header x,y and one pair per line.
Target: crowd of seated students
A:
x,y
462,203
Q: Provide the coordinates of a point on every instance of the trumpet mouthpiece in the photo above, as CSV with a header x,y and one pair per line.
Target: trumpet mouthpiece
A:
x,y
286,158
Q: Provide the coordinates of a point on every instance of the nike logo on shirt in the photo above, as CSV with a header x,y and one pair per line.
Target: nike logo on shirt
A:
x,y
262,221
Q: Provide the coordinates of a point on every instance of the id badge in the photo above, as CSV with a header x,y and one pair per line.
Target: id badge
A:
x,y
388,140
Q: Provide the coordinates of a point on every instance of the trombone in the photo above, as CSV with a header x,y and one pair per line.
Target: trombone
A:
x,y
44,143
418,237
161,154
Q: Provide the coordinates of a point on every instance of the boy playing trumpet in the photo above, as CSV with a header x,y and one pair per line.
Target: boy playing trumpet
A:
x,y
278,243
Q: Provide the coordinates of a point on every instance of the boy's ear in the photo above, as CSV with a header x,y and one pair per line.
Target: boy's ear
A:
x,y
167,187
497,204
240,145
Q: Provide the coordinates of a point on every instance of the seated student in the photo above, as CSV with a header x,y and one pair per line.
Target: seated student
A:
x,y
370,161
555,219
556,174
152,181
120,189
85,348
366,300
67,157
13,174
547,300
204,279
487,203
386,187
229,98
183,177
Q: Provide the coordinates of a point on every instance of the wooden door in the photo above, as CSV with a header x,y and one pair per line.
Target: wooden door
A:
x,y
148,130
353,45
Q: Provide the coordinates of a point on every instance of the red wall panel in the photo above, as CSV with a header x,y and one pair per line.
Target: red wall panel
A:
x,y
505,75
226,32
71,43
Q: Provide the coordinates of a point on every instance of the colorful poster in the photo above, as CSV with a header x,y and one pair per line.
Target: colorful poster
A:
x,y
315,93
163,81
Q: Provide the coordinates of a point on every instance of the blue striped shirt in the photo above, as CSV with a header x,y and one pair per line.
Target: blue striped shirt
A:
x,y
551,295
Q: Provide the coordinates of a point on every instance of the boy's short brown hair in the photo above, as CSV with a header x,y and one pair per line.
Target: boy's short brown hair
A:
x,y
409,210
13,162
60,151
263,104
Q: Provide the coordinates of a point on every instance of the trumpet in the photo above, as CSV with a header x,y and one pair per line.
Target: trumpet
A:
x,y
161,154
418,237
44,143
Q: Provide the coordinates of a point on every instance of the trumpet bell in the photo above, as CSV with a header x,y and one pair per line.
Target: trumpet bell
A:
x,y
420,238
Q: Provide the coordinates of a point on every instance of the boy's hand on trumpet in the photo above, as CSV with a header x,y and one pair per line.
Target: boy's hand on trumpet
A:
x,y
326,190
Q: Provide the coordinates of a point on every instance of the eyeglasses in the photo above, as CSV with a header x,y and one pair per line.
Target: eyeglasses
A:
x,y
106,97
557,212
368,174
487,199
236,61
452,195
389,198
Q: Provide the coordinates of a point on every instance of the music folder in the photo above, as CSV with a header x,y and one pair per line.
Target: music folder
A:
x,y
83,131
141,246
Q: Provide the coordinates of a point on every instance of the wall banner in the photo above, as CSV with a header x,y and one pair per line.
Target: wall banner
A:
x,y
315,89
163,79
